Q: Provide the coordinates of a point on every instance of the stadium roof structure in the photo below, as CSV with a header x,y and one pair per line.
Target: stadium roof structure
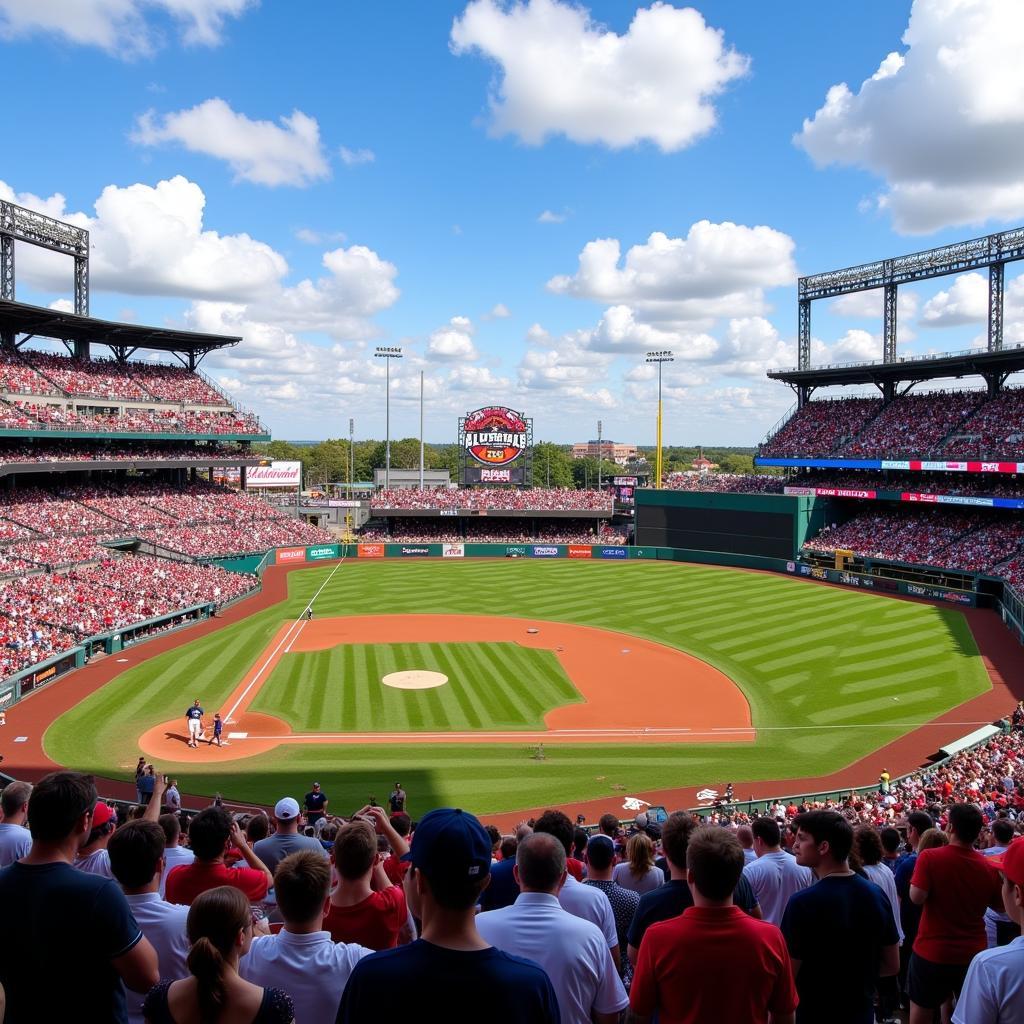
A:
x,y
19,318
995,367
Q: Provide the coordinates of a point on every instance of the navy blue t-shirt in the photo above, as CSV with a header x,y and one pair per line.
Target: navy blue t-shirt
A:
x,y
837,929
671,899
315,802
503,889
194,712
396,984
59,931
910,913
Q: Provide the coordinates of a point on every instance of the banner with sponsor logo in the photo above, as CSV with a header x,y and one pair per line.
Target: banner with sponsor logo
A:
x,y
913,465
370,550
580,551
277,474
321,552
495,476
615,552
544,551
290,555
411,551
516,550
453,551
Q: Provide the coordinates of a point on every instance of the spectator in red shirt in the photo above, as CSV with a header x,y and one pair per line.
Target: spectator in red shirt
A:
x,y
954,884
366,908
713,962
211,834
394,867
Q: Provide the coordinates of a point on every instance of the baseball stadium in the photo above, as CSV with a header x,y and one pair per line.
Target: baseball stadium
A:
x,y
497,643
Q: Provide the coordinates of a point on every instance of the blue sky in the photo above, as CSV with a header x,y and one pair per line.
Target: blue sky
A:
x,y
429,174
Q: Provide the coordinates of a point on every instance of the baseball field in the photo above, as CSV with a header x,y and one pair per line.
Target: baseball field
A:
x,y
635,677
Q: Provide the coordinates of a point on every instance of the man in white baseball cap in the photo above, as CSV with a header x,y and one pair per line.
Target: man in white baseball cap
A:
x,y
286,839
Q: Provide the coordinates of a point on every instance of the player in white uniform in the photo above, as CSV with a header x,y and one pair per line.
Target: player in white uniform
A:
x,y
194,717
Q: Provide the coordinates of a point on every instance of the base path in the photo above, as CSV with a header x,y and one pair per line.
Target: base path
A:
x,y
627,685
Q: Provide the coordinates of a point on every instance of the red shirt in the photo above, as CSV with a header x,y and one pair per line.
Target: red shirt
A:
x,y
374,922
575,868
187,881
395,869
960,883
713,963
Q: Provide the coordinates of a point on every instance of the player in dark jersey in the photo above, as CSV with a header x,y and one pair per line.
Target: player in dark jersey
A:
x,y
194,719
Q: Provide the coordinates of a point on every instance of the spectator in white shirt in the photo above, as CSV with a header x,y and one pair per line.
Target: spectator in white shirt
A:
x,y
136,860
301,959
868,844
573,952
581,900
993,991
174,853
15,838
775,875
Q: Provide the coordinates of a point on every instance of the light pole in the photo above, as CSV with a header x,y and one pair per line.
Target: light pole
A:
x,y
421,430
659,357
600,455
351,455
387,353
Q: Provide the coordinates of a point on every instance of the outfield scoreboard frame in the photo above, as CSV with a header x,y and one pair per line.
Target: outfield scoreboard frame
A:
x,y
495,448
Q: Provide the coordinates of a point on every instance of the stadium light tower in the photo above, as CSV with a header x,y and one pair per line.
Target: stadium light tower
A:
x,y
387,353
659,357
599,454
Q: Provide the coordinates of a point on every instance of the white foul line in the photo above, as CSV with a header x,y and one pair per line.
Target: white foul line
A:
x,y
300,622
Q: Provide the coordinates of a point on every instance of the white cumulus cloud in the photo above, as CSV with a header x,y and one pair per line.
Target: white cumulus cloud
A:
x,y
123,28
942,123
354,157
561,73
966,302
261,152
453,342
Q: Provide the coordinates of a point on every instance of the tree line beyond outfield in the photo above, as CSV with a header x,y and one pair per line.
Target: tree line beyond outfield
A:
x,y
329,460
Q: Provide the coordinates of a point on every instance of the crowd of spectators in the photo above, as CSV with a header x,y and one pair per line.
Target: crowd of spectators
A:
x,y
65,451
541,499
947,425
995,430
821,427
728,483
58,417
911,893
46,373
988,485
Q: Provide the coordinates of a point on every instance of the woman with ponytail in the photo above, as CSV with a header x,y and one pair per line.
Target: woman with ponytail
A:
x,y
220,930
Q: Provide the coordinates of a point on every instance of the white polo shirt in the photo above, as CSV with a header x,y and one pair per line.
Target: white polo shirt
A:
x,y
774,878
886,881
573,953
15,842
590,904
311,968
994,989
164,925
174,856
95,863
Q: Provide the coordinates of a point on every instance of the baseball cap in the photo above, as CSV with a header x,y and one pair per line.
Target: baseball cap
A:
x,y
1011,863
101,814
450,843
286,809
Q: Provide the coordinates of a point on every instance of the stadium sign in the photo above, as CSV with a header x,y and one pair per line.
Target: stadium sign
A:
x,y
453,551
495,435
277,474
370,550
614,553
290,555
495,476
515,551
407,551
580,551
320,553
544,551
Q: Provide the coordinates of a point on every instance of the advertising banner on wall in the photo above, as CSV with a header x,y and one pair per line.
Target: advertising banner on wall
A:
x,y
290,555
414,551
277,474
453,551
321,552
616,552
544,551
580,551
370,550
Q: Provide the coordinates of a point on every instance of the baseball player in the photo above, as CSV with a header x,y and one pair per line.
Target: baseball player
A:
x,y
194,718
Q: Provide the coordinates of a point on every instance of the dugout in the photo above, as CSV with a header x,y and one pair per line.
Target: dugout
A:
x,y
752,526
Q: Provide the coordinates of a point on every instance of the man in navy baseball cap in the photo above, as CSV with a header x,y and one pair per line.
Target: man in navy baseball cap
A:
x,y
452,849
451,864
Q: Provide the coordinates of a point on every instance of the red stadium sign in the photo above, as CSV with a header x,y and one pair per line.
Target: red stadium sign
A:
x,y
370,551
580,551
291,555
495,435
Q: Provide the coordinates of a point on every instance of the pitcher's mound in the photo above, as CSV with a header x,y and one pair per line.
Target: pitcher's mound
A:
x,y
414,680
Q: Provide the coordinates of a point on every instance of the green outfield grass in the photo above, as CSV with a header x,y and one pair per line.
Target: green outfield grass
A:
x,y
490,686
830,674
